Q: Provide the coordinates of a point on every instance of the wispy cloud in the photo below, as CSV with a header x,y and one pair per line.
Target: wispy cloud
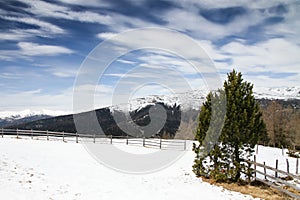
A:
x,y
34,49
63,72
44,9
33,99
95,3
129,62
27,50
267,55
46,27
106,35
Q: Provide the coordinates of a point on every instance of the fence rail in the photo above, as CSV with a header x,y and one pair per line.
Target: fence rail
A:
x,y
272,179
110,139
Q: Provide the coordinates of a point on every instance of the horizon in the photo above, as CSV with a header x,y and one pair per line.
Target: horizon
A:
x,y
44,44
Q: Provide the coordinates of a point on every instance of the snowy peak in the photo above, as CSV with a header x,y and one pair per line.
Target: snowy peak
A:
x,y
187,100
11,118
193,99
277,93
28,113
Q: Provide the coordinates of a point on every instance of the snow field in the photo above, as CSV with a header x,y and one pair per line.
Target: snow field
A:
x,y
35,169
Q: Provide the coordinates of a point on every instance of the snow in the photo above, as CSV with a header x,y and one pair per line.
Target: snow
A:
x,y
190,99
40,169
277,93
269,155
194,98
28,113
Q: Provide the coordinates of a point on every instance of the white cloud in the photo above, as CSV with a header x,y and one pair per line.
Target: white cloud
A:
x,y
161,61
129,62
41,8
46,27
36,101
23,34
8,75
276,55
12,36
34,49
268,82
106,35
64,73
96,3
289,28
227,3
62,100
200,28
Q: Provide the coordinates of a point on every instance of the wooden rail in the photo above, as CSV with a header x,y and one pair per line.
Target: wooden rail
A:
x,y
110,139
273,180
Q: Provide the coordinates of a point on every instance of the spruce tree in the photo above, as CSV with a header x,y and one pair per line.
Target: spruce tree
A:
x,y
243,128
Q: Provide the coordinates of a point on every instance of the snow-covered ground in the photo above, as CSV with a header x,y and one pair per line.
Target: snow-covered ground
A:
x,y
269,156
39,169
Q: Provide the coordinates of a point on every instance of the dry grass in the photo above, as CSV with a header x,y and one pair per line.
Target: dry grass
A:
x,y
256,189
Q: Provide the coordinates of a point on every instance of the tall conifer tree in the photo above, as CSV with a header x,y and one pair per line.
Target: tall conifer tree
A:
x,y
243,128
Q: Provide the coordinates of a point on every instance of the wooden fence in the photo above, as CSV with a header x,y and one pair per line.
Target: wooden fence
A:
x,y
110,139
276,178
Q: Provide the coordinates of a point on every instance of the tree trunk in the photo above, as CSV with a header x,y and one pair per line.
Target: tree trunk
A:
x,y
237,163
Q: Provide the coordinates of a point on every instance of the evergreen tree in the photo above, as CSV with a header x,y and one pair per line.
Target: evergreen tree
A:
x,y
243,128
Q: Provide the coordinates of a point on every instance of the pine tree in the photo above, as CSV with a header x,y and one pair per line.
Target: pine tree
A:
x,y
243,128
210,124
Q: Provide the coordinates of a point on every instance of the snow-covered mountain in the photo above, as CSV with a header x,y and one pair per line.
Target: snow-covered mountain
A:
x,y
29,113
277,93
193,99
8,118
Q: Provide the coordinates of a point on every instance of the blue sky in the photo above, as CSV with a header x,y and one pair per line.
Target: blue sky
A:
x,y
43,44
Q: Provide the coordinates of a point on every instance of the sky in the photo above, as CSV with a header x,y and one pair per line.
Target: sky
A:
x,y
44,44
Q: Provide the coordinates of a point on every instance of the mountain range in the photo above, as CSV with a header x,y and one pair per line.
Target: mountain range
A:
x,y
189,101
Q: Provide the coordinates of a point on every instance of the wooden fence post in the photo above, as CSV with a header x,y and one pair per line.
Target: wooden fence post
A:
x,y
31,134
160,143
282,150
76,137
2,132
143,141
255,167
276,173
297,163
257,149
127,139
94,138
47,135
184,147
249,172
265,171
110,139
17,133
63,136
287,166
